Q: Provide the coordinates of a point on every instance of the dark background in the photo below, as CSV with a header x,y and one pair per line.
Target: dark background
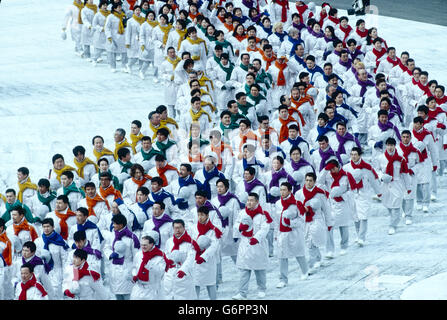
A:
x,y
429,11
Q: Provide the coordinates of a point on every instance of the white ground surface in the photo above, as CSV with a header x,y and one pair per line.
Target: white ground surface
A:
x,y
52,100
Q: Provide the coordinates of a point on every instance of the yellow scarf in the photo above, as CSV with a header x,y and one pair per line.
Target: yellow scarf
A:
x,y
203,79
174,62
81,165
119,146
181,34
92,7
206,103
135,140
156,129
153,24
80,6
59,172
22,186
105,13
140,20
121,24
165,30
2,197
169,120
198,41
104,151
196,116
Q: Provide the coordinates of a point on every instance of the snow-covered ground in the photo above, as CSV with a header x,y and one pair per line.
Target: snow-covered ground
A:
x,y
51,100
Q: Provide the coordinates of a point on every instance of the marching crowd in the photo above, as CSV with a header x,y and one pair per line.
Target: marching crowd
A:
x,y
257,152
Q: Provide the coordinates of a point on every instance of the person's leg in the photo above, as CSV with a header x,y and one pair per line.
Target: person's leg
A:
x,y
270,241
394,217
407,207
219,272
233,258
419,195
111,56
261,280
434,184
362,229
211,292
124,59
426,194
303,264
357,227
131,62
198,292
284,270
344,235
144,67
330,246
243,282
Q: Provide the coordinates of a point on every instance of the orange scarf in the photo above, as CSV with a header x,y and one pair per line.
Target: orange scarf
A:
x,y
267,59
244,137
161,173
23,186
63,222
193,15
281,78
284,132
107,192
253,50
91,202
197,158
229,27
240,38
141,182
24,226
7,252
218,151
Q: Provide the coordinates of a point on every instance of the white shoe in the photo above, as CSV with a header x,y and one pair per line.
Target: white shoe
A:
x,y
408,221
425,209
433,197
94,63
261,294
79,53
391,231
125,70
361,243
375,197
89,59
141,75
342,252
99,60
238,297
113,70
315,268
356,240
155,80
419,207
329,255
280,285
304,276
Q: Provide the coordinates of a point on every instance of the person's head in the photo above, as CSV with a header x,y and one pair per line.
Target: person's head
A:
x,y
416,71
105,178
58,161
156,184
142,194
119,222
285,189
283,111
62,202
310,62
67,178
200,197
252,200
203,214
249,173
124,154
79,257
10,195
158,208
90,189
356,153
28,249
178,226
209,163
43,185
422,111
406,136
22,173
293,131
329,32
423,77
146,143
277,163
137,171
333,165
47,226
383,116
163,134
330,111
185,170
147,243
323,142
17,214
362,74
222,186
439,91
119,135
255,89
248,151
154,118
98,143
418,123
310,179
81,215
244,125
385,104
135,127
215,137
390,145
341,128
26,272
80,239
322,119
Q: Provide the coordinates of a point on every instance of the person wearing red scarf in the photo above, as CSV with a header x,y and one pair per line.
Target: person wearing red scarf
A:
x,y
367,185
375,56
283,122
340,183
280,9
424,140
313,205
149,268
181,251
164,170
390,62
290,239
29,288
393,172
252,226
62,216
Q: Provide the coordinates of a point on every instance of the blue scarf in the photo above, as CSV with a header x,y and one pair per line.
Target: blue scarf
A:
x,y
269,31
186,182
297,141
295,42
346,107
326,78
314,70
323,130
281,36
337,117
54,238
209,176
252,163
274,149
162,195
298,59
145,206
90,225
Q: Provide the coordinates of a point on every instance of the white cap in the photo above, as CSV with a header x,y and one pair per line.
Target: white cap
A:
x,y
178,256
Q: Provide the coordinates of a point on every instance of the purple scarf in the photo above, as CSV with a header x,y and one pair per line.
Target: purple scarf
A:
x,y
355,54
346,64
325,155
210,207
223,199
317,35
364,85
299,26
248,3
88,248
125,232
342,140
158,222
276,176
301,163
389,125
251,185
36,261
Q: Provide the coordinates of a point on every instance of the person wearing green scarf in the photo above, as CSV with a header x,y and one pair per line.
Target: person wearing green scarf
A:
x,y
70,189
121,168
226,45
11,202
257,100
146,156
165,146
246,108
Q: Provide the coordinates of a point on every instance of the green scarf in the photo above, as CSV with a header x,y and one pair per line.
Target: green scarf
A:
x,y
245,68
125,166
228,70
28,215
163,147
46,201
202,141
226,44
149,155
257,99
265,78
72,188
244,109
210,38
234,119
202,28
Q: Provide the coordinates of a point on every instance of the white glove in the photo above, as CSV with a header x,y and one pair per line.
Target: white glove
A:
x,y
386,178
63,35
297,176
204,242
274,191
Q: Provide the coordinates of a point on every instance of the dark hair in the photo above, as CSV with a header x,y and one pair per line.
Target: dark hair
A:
x,y
250,170
19,210
81,254
225,182
68,174
119,219
123,152
358,150
418,120
323,138
44,183
134,168
49,221
311,174
187,166
179,221
157,180
57,156
161,204
255,195
63,197
143,190
288,185
78,149
23,170
204,210
29,266
79,236
84,211
201,193
296,148
390,141
423,108
89,185
30,245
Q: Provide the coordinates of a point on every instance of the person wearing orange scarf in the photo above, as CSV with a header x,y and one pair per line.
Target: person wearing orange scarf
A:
x,y
73,17
20,226
62,216
96,205
223,151
107,190
245,134
27,189
164,170
138,179
283,122
115,34
268,56
6,244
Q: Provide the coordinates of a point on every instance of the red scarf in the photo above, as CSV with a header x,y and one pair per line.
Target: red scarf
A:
x,y
390,168
363,165
334,20
323,15
184,238
78,274
404,68
424,88
221,19
393,62
218,151
378,54
284,132
307,196
143,273
7,252
346,31
442,100
281,78
301,10
91,203
267,59
193,15
63,222
240,38
362,34
161,173
285,7
421,136
204,228
31,283
24,226
131,3
337,177
258,210
285,205
406,150
435,112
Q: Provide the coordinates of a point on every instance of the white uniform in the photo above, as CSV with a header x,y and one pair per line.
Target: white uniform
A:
x,y
151,289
